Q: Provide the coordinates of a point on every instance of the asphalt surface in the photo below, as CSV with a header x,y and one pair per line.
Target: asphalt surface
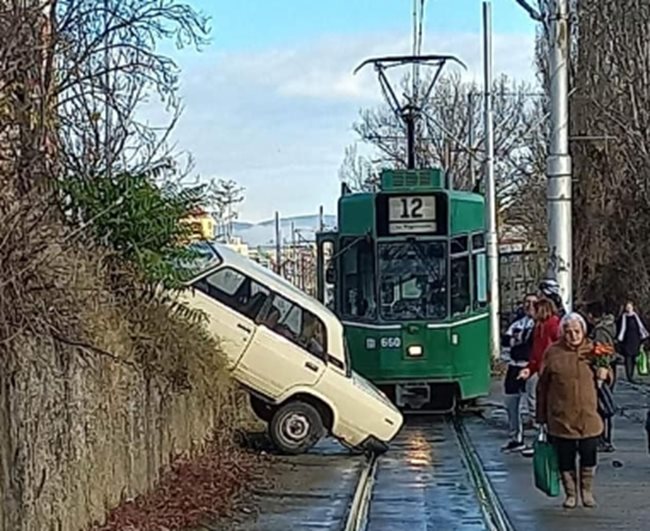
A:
x,y
422,482
622,485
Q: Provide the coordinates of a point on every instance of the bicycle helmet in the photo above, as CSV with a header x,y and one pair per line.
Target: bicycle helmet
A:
x,y
549,287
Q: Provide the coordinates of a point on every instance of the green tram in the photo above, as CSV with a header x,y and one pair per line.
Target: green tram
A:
x,y
406,273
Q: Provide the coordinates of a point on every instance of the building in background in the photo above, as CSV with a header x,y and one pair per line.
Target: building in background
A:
x,y
202,225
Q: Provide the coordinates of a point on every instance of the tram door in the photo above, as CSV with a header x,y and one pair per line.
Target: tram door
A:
x,y
326,245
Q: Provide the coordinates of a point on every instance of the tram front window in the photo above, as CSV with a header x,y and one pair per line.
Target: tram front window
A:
x,y
412,281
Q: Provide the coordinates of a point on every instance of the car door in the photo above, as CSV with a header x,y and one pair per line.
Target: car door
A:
x,y
230,299
277,359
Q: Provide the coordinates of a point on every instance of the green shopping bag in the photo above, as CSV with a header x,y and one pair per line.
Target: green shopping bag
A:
x,y
545,466
642,363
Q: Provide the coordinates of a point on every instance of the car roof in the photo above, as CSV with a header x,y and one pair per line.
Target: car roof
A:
x,y
230,257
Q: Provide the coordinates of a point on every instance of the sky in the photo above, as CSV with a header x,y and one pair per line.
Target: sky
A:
x,y
270,102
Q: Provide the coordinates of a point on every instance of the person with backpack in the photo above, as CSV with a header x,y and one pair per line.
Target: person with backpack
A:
x,y
604,332
519,339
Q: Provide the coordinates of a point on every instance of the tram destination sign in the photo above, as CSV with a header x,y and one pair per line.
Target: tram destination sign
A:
x,y
413,214
416,213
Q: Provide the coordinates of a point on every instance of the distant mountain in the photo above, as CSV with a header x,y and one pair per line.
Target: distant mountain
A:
x,y
262,234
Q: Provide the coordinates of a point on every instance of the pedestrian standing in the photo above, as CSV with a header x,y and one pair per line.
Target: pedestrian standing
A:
x,y
519,340
631,333
545,333
604,332
567,407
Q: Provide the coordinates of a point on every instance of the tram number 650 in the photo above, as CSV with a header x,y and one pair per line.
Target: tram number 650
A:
x,y
391,342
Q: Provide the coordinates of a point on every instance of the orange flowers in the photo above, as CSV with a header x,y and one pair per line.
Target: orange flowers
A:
x,y
601,354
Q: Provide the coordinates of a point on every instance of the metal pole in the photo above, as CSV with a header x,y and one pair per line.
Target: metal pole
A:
x,y
294,256
278,245
409,118
490,187
470,139
321,219
558,194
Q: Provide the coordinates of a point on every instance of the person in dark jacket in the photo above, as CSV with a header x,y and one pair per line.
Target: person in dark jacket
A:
x,y
631,333
604,331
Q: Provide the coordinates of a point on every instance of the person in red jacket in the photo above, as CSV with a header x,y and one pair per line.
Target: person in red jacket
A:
x,y
546,332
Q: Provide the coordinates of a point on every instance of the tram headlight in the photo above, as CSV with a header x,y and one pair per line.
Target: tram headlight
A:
x,y
414,351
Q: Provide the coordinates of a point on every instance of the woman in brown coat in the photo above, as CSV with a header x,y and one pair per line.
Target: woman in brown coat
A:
x,y
567,405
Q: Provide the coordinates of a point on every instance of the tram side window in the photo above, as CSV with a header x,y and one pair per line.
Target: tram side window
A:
x,y
358,279
296,324
235,290
460,289
480,280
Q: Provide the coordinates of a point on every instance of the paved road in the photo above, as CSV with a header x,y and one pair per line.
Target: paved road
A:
x,y
623,493
310,492
422,484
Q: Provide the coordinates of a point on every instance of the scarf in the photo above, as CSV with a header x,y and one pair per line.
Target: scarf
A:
x,y
642,328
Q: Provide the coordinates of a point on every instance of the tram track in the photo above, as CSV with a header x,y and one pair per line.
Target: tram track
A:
x,y
432,478
494,514
357,519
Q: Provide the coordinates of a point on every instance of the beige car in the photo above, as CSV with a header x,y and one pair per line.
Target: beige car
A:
x,y
288,351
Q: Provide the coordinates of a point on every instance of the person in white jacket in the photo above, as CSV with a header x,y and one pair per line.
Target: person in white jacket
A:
x,y
519,339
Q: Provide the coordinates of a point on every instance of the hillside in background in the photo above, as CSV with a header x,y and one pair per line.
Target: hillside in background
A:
x,y
262,234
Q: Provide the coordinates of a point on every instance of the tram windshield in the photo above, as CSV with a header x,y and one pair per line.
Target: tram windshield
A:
x,y
412,280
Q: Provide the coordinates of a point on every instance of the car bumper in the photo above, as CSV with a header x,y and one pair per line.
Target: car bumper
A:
x,y
373,445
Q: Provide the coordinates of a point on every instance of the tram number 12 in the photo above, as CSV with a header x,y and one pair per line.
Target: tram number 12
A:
x,y
412,208
390,342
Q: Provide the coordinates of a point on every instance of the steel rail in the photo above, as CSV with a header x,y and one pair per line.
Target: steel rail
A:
x,y
357,518
494,514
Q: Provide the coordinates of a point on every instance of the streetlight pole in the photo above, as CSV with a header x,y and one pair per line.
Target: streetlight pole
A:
x,y
558,163
558,195
492,242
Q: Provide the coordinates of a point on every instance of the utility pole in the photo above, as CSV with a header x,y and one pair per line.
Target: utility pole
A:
x,y
278,245
470,139
492,242
294,256
558,169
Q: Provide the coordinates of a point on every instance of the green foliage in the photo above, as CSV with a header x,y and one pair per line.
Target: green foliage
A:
x,y
139,219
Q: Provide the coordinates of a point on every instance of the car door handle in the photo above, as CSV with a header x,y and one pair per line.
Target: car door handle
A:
x,y
311,366
245,329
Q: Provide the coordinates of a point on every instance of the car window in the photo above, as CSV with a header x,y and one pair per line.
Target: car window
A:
x,y
235,290
296,324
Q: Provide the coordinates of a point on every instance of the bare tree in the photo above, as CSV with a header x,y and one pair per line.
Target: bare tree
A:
x,y
451,137
107,64
226,195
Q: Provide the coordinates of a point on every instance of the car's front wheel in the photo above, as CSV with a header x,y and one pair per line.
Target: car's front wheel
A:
x,y
296,427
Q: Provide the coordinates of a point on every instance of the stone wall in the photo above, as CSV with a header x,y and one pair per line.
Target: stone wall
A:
x,y
79,432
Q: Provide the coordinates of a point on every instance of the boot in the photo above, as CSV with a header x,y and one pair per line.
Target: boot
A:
x,y
586,485
569,484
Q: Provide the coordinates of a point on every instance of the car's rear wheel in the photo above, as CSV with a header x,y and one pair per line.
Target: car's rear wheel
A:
x,y
262,410
296,427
